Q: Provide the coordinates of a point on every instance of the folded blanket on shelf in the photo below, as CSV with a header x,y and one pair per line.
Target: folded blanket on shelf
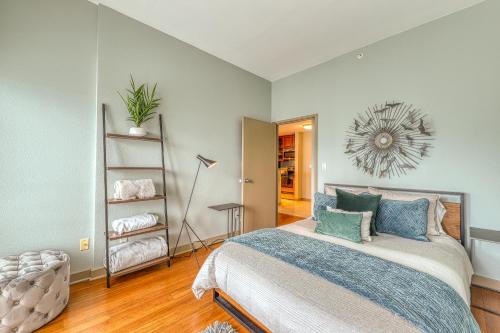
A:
x,y
130,189
146,188
136,222
133,253
125,189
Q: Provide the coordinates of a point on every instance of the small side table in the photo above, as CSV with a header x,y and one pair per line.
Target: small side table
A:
x,y
234,225
492,236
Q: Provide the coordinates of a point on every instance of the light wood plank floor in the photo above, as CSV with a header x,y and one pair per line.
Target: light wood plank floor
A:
x,y
301,208
287,219
160,300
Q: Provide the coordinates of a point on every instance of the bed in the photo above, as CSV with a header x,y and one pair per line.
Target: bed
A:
x,y
391,284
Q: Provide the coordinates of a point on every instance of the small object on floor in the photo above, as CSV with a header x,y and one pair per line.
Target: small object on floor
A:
x,y
218,327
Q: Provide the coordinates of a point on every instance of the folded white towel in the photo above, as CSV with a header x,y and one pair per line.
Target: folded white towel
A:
x,y
146,188
129,254
130,189
125,189
136,222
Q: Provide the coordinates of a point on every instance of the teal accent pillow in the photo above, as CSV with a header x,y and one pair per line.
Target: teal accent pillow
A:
x,y
342,225
321,201
359,203
407,219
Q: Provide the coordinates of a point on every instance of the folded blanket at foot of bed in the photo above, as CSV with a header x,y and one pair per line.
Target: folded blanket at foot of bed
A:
x,y
425,302
136,222
130,189
136,252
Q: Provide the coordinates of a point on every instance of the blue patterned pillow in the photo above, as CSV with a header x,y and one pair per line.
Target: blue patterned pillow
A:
x,y
321,201
407,219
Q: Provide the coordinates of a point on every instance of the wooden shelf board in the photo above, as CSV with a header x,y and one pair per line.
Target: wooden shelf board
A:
x,y
158,227
131,137
111,168
115,201
141,266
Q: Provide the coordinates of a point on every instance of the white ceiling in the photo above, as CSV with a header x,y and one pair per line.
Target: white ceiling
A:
x,y
276,38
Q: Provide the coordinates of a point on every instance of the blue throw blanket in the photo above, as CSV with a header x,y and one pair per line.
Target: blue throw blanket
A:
x,y
427,302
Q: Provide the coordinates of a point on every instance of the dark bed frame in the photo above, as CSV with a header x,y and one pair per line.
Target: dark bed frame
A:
x,y
254,326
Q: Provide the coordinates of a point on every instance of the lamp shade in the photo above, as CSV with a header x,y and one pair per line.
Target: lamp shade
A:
x,y
206,161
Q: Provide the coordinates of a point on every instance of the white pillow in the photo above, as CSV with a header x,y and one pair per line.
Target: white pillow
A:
x,y
440,213
365,222
433,223
331,190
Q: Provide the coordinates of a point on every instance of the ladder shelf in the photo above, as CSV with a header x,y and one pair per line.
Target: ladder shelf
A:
x,y
111,235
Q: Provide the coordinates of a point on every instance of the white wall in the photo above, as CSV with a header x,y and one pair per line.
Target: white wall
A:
x,y
450,69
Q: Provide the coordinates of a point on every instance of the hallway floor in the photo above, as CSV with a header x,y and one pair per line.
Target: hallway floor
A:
x,y
300,208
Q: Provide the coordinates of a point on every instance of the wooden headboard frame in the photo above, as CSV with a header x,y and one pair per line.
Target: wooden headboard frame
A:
x,y
454,220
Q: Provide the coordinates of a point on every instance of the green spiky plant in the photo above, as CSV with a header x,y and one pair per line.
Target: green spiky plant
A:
x,y
140,102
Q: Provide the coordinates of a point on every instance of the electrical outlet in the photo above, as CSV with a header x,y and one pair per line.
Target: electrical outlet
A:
x,y
84,244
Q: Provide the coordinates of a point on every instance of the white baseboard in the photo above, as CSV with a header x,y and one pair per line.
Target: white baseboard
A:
x,y
484,282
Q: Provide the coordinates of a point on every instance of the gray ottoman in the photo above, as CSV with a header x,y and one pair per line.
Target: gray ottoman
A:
x,y
34,289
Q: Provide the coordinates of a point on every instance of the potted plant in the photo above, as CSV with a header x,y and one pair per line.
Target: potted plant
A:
x,y
140,103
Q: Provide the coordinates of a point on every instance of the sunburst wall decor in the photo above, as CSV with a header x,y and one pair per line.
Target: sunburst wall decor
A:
x,y
389,139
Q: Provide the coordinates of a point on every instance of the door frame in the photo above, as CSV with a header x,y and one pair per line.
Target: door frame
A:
x,y
314,151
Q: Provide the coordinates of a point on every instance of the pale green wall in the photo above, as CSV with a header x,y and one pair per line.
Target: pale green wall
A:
x,y
50,164
203,102
51,152
451,69
47,121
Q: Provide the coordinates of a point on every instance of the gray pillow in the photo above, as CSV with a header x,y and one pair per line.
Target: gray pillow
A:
x,y
321,201
407,219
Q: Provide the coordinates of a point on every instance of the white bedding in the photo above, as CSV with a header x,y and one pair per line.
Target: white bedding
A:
x,y
288,299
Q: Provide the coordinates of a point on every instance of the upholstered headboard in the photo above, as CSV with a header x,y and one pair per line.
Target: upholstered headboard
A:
x,y
454,220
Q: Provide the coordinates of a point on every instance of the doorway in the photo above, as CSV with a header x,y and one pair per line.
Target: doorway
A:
x,y
296,168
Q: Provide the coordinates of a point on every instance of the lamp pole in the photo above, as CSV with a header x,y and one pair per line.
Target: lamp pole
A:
x,y
186,225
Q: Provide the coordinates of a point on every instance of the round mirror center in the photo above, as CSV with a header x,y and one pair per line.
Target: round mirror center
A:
x,y
383,140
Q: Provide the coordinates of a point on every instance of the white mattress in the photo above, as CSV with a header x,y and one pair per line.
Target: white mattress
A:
x,y
288,299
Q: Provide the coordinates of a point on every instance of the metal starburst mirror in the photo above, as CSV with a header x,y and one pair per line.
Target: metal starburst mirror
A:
x,y
388,139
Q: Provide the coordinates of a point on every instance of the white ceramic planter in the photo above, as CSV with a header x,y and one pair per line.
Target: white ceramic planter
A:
x,y
137,131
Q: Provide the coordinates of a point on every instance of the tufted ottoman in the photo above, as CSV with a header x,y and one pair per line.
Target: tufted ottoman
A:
x,y
34,289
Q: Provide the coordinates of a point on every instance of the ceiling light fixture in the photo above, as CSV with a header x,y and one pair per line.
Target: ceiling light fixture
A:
x,y
360,56
307,126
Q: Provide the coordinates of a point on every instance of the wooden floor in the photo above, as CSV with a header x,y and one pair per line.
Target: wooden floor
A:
x,y
300,208
486,309
287,219
160,300
155,300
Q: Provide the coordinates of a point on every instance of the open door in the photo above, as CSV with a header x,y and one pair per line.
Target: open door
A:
x,y
259,176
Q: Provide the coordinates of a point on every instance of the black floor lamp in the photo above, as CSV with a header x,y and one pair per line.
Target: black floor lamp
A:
x,y
208,163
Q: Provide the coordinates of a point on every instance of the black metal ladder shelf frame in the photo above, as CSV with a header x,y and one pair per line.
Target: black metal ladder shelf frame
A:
x,y
158,227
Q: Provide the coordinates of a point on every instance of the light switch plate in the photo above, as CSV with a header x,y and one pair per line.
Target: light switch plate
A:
x,y
84,244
